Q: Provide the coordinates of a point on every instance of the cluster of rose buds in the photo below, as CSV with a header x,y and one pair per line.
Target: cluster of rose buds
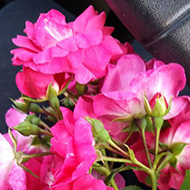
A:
x,y
89,102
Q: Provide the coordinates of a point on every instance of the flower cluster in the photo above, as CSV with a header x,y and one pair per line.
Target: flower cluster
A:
x,y
87,102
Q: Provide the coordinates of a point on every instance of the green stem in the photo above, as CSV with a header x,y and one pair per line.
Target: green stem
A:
x,y
106,171
44,125
120,160
157,141
118,148
146,148
45,132
113,150
153,180
104,154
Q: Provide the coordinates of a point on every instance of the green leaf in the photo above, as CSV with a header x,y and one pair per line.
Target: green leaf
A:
x,y
186,182
132,187
148,180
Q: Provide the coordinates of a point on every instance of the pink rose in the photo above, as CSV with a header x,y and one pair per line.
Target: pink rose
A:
x,y
13,117
73,145
85,182
86,106
35,84
127,82
83,47
13,177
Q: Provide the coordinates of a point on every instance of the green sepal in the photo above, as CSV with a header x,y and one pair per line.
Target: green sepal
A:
x,y
26,98
28,170
123,119
177,148
14,141
173,162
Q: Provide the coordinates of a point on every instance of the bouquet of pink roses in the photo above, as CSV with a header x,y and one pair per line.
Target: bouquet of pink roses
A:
x,y
90,109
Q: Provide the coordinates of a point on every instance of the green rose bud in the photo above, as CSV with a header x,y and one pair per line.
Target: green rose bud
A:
x,y
157,106
35,108
98,129
26,128
21,105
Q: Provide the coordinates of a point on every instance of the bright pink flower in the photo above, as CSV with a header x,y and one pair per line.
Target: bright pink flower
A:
x,y
85,182
119,180
13,177
83,47
7,161
127,82
73,143
13,117
85,106
35,84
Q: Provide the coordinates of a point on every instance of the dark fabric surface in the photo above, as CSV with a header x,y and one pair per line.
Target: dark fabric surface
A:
x,y
12,23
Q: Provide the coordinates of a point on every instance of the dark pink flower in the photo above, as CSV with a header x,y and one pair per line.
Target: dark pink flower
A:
x,y
83,47
13,177
128,82
35,84
73,144
13,117
86,106
85,182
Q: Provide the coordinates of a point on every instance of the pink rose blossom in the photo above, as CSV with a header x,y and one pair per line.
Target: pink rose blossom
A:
x,y
83,47
35,84
85,106
85,182
13,177
73,144
13,117
127,82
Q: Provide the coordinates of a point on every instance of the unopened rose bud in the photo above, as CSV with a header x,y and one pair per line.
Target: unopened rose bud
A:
x,y
21,105
26,128
54,102
35,108
157,106
33,119
98,129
